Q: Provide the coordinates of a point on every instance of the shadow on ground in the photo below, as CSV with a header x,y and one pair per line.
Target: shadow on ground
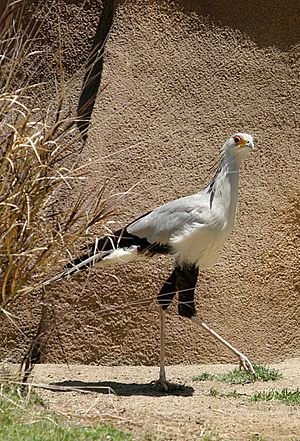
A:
x,y
121,389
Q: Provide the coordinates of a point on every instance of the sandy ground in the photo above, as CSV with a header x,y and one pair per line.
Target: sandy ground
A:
x,y
124,397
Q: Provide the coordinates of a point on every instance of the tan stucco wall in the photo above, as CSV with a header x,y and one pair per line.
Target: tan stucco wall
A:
x,y
181,77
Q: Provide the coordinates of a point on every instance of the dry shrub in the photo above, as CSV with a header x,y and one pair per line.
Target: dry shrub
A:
x,y
38,152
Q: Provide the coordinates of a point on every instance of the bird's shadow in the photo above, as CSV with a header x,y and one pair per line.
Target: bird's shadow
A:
x,y
121,389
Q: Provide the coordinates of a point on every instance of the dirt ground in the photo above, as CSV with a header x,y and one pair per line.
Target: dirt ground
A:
x,y
124,397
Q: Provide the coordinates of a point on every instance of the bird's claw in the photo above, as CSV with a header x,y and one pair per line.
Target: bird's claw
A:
x,y
246,364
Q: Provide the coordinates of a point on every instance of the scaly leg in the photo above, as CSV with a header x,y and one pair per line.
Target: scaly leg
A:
x,y
164,299
244,361
162,381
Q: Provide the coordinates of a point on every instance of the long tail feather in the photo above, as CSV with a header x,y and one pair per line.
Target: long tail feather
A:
x,y
100,249
120,247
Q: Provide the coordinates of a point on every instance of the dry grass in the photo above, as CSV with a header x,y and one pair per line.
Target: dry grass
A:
x,y
39,148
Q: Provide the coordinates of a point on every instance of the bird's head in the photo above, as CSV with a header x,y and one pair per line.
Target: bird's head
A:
x,y
239,143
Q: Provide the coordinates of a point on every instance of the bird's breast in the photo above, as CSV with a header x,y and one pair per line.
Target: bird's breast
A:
x,y
199,245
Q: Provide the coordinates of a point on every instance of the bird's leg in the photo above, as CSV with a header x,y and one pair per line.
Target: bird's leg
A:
x,y
186,279
164,299
244,361
162,380
162,355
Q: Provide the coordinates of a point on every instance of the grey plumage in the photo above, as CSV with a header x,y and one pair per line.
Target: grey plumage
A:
x,y
171,219
192,229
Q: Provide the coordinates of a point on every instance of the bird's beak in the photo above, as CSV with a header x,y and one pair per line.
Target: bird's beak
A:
x,y
250,144
245,143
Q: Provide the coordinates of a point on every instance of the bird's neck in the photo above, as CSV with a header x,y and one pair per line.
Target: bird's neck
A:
x,y
225,187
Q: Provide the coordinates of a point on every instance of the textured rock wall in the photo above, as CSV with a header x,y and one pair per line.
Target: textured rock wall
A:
x,y
181,77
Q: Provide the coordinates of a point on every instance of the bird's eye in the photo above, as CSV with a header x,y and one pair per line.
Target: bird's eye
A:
x,y
236,139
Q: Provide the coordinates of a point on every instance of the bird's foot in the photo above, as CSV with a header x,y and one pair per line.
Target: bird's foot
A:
x,y
173,388
246,364
162,383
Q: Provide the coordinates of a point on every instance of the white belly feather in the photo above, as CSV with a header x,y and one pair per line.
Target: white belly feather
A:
x,y
199,245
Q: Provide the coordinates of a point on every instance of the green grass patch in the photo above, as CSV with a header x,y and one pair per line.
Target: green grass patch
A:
x,y
238,376
211,436
257,437
287,396
23,418
205,376
214,392
233,394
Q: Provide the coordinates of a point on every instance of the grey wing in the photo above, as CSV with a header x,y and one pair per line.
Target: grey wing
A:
x,y
170,219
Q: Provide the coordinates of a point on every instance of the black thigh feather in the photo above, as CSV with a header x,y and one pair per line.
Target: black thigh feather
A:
x,y
183,280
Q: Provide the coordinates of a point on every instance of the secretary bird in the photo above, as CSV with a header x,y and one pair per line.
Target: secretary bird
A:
x,y
192,229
